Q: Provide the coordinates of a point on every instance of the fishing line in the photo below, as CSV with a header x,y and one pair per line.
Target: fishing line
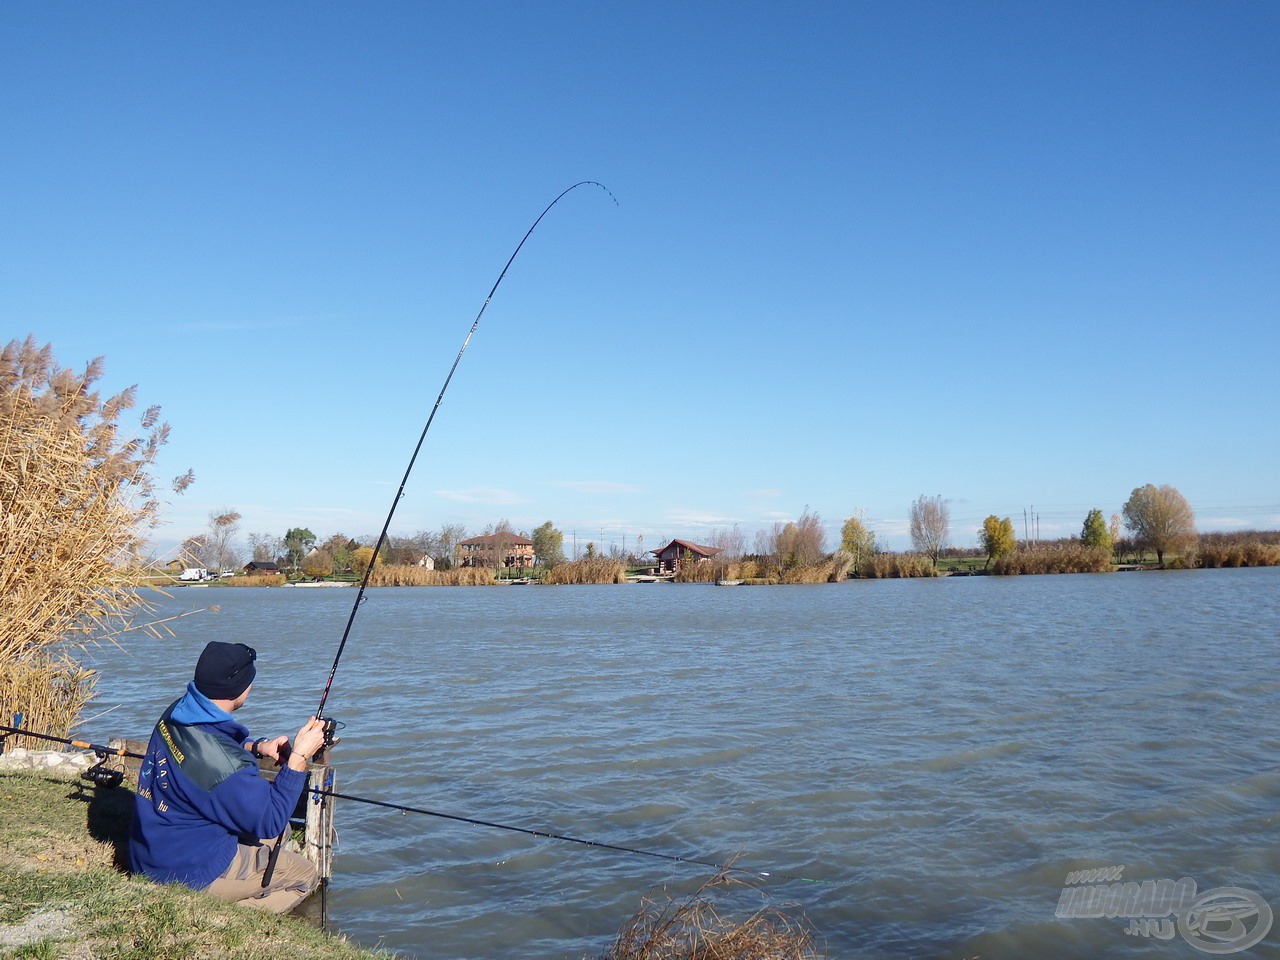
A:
x,y
364,581
546,835
319,793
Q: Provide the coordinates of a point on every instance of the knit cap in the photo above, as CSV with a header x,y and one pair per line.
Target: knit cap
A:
x,y
225,670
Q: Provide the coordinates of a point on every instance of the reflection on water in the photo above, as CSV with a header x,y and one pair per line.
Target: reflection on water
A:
x,y
940,753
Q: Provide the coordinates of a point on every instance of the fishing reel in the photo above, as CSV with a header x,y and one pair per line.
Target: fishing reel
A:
x,y
330,730
101,775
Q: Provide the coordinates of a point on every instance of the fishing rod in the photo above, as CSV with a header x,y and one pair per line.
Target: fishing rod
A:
x,y
395,501
546,835
99,773
331,725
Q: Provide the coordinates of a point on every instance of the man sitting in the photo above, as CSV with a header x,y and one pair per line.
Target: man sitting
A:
x,y
202,810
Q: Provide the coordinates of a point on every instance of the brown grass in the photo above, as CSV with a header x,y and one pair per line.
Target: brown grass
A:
x,y
76,498
407,575
766,570
883,566
697,928
1231,550
258,580
1070,556
49,692
586,570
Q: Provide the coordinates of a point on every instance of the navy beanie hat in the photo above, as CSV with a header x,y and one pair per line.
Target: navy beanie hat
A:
x,y
225,670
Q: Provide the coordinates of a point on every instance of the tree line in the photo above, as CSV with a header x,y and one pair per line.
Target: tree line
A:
x,y
1156,520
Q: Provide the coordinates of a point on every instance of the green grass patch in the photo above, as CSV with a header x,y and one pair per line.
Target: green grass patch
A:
x,y
60,850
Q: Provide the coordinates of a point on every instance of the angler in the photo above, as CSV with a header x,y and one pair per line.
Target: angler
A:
x,y
202,808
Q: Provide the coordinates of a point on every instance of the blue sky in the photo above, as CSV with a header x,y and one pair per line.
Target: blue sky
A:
x,y
1017,254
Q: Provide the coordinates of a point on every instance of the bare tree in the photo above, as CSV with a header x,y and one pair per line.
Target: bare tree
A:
x,y
451,534
224,524
803,543
732,543
930,525
266,546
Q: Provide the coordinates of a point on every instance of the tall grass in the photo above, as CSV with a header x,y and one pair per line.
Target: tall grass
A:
x,y
76,498
259,580
49,691
1067,556
883,566
1249,549
411,575
586,570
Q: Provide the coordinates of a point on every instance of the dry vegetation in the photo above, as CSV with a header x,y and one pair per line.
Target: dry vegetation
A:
x,y
259,580
883,566
697,928
404,575
586,570
1250,548
76,498
1068,556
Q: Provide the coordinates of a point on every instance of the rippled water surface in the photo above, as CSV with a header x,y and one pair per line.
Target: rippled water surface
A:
x,y
939,753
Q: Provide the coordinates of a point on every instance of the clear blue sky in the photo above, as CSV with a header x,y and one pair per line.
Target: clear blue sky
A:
x,y
1016,254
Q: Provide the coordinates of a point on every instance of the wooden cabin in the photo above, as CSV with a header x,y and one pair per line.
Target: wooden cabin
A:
x,y
678,552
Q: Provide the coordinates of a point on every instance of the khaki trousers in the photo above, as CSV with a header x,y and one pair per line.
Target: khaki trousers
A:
x,y
295,876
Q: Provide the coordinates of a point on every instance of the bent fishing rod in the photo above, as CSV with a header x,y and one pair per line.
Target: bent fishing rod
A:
x,y
395,501
319,793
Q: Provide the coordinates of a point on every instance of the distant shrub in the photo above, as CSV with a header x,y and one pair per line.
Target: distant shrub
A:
x,y
883,566
1067,556
411,575
1252,549
586,570
259,580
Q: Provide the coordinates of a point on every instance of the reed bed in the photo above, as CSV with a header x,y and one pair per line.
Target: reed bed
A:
x,y
885,566
409,575
76,498
48,691
699,927
586,570
258,580
760,571
1224,552
1066,557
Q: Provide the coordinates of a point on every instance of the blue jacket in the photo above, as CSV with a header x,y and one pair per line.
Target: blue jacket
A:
x,y
199,794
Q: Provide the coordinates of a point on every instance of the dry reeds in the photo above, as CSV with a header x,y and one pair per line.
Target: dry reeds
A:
x,y
76,497
1070,556
696,928
408,575
883,566
586,570
1239,550
259,580
48,692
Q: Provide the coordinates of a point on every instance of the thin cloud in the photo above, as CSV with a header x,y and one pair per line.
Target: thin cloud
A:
x,y
492,495
599,486
693,518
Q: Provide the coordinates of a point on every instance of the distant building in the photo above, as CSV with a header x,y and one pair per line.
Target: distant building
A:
x,y
427,562
496,550
261,566
678,552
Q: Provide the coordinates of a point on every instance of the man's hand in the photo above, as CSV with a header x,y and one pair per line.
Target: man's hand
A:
x,y
277,749
306,744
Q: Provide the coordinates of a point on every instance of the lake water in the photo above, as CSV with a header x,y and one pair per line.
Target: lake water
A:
x,y
940,754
